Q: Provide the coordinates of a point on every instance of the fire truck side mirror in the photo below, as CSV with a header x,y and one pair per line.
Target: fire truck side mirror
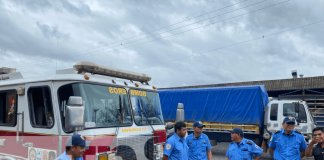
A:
x,y
74,115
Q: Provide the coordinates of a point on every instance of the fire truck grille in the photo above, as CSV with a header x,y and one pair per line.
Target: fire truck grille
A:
x,y
137,147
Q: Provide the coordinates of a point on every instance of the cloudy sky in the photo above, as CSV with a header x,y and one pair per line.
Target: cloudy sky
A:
x,y
176,42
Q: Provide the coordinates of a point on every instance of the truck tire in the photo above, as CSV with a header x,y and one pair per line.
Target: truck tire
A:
x,y
149,149
126,153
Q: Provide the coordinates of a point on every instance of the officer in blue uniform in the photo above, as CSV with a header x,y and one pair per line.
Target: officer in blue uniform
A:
x,y
198,143
75,147
242,148
175,147
288,143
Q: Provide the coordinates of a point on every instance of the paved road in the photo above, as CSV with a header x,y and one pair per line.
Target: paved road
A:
x,y
219,152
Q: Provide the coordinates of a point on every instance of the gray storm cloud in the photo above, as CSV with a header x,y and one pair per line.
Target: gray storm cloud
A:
x,y
176,42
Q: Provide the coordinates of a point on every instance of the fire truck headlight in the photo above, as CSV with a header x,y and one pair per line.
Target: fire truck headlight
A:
x,y
106,156
103,157
111,156
158,150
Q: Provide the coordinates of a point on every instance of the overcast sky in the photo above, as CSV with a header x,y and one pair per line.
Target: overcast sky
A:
x,y
177,43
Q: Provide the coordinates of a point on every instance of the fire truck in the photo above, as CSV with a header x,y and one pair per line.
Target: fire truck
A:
x,y
115,110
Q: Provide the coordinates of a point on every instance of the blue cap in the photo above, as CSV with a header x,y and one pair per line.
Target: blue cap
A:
x,y
198,124
289,119
75,140
238,131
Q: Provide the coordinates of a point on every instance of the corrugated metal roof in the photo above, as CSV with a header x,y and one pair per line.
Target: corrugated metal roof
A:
x,y
271,85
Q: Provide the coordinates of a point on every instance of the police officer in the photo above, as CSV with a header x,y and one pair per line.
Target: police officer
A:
x,y
287,143
318,150
176,147
75,147
198,143
242,148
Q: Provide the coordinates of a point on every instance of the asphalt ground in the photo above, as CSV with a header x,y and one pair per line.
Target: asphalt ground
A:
x,y
219,152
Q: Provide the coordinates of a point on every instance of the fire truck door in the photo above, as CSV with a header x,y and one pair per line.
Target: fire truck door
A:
x,y
41,132
10,123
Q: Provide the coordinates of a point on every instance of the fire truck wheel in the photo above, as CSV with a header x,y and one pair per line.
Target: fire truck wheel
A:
x,y
149,149
126,153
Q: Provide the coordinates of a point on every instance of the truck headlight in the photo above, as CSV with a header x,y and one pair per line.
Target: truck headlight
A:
x,y
103,157
106,156
158,151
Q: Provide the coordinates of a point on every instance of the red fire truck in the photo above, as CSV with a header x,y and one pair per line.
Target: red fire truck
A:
x,y
116,110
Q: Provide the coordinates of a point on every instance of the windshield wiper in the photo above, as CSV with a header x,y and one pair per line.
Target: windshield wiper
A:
x,y
141,106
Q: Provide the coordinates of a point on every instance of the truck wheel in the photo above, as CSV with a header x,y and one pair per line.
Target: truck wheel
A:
x,y
126,153
149,149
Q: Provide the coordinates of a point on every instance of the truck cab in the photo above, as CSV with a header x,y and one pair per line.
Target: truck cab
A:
x,y
277,110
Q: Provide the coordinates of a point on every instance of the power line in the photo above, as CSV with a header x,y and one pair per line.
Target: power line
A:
x,y
235,44
186,30
199,21
156,30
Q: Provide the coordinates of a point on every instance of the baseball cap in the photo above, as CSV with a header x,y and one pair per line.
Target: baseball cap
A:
x,y
169,125
77,140
198,124
289,119
238,131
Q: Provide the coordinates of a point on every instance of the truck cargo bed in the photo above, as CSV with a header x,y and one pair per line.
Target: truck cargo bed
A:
x,y
223,105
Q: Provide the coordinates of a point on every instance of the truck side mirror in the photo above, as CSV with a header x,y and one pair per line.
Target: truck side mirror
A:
x,y
180,113
297,111
74,115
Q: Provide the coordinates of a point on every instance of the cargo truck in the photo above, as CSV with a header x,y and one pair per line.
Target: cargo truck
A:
x,y
222,109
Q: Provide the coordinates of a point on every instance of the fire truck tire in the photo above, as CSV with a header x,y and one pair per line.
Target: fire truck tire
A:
x,y
126,153
149,149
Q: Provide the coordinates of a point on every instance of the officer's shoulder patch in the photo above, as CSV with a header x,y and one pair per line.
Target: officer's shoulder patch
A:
x,y
249,142
298,132
277,132
168,146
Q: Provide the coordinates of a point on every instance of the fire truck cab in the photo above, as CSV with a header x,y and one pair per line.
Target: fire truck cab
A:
x,y
121,118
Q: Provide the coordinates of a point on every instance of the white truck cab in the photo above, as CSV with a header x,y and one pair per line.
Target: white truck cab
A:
x,y
277,110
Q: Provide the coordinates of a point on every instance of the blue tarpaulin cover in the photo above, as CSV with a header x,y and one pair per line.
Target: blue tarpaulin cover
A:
x,y
243,105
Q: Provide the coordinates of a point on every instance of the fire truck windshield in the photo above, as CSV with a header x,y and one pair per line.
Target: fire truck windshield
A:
x,y
146,106
102,104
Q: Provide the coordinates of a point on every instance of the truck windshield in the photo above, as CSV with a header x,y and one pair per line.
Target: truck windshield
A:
x,y
102,104
289,110
146,106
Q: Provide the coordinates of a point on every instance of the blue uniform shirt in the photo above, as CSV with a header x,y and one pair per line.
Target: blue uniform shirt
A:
x,y
287,147
198,146
64,156
244,150
175,148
